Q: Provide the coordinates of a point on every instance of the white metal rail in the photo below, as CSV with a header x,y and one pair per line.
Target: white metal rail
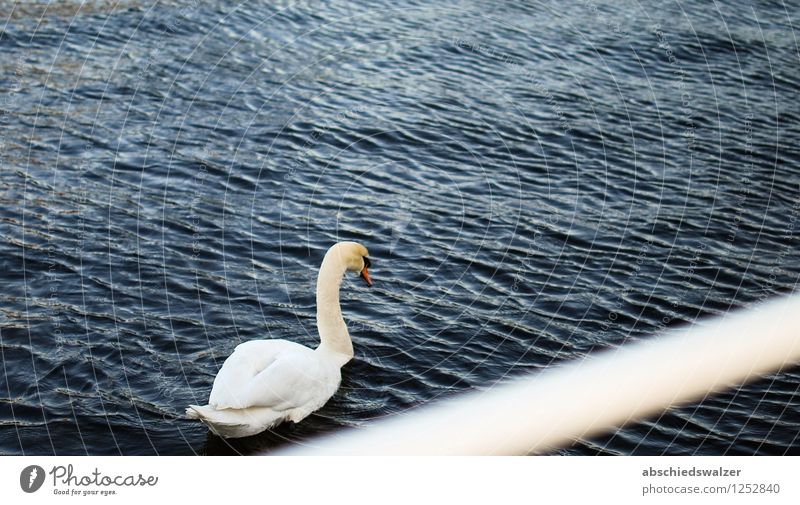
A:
x,y
587,397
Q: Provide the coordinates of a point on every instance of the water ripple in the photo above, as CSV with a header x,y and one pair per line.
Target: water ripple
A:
x,y
535,184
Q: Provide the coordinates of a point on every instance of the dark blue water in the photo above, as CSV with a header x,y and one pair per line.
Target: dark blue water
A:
x,y
534,182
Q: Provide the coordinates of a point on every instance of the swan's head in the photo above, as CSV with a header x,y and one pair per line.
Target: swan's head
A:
x,y
355,258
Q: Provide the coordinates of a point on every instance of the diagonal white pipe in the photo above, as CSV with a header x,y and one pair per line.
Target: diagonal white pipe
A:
x,y
588,397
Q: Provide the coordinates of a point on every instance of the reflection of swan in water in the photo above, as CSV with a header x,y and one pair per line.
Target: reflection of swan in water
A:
x,y
266,382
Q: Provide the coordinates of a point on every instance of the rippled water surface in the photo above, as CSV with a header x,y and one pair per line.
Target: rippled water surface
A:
x,y
534,182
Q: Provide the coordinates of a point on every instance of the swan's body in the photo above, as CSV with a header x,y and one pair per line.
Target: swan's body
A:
x,y
266,382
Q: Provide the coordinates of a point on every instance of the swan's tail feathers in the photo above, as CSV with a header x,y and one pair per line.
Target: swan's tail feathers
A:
x,y
233,423
207,413
193,412
215,420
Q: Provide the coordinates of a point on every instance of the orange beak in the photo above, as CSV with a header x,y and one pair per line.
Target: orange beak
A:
x,y
365,275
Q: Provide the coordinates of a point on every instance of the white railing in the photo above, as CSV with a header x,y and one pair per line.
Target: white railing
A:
x,y
591,396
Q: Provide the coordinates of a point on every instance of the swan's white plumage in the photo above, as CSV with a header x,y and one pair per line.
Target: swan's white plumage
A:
x,y
266,382
270,373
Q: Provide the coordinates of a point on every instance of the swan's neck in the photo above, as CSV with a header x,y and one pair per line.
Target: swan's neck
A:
x,y
332,330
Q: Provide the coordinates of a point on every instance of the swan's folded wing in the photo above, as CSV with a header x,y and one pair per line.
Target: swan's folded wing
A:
x,y
271,373
292,380
247,360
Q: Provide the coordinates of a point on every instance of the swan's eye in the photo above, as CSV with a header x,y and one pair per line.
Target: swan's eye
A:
x,y
366,262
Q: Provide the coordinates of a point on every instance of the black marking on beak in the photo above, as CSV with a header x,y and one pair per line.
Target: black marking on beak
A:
x,y
365,272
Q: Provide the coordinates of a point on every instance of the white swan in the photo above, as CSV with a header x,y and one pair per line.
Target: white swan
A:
x,y
266,382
